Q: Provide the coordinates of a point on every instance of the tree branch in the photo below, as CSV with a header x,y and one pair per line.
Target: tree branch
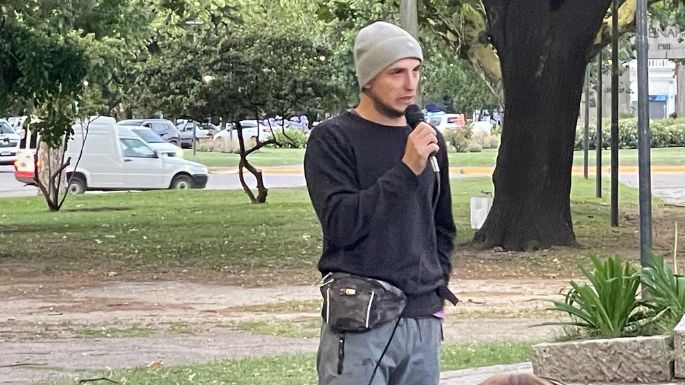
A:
x,y
466,42
626,23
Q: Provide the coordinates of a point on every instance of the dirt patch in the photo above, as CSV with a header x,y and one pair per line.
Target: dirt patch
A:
x,y
42,321
192,315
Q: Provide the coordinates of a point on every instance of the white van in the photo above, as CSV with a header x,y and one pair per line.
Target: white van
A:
x,y
24,168
114,158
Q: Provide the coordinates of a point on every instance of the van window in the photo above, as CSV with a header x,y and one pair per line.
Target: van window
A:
x,y
5,128
435,120
134,148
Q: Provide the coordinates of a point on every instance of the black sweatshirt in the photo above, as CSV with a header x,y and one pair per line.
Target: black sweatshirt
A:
x,y
376,214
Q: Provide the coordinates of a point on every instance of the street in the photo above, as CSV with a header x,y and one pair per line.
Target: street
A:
x,y
670,186
10,187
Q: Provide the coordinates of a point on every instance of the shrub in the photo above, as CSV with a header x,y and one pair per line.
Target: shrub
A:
x,y
665,133
219,146
666,290
474,147
486,140
458,138
294,139
608,306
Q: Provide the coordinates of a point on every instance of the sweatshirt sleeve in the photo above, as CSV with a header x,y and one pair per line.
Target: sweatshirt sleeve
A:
x,y
345,211
445,229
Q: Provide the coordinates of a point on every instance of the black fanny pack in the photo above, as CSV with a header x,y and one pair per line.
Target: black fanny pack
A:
x,y
352,303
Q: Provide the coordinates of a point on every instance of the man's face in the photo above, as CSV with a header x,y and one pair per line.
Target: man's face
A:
x,y
394,88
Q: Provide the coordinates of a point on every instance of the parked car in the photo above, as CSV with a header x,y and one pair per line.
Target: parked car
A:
x,y
446,121
251,131
186,130
9,143
114,158
161,127
208,129
156,142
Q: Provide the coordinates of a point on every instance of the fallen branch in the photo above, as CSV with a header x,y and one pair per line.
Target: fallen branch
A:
x,y
96,379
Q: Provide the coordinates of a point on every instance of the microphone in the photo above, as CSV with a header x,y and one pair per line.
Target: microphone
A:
x,y
414,116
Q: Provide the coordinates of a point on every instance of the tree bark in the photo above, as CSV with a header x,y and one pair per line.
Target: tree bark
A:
x,y
543,48
262,191
49,176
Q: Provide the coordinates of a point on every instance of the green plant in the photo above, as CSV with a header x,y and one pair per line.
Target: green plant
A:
x,y
485,140
664,133
218,146
290,139
458,138
608,306
666,290
474,147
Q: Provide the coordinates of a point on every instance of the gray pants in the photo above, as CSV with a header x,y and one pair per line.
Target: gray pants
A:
x,y
413,357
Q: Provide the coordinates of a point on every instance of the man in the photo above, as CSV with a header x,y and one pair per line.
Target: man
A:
x,y
384,215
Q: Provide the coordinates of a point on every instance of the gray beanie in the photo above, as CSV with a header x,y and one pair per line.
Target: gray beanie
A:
x,y
380,44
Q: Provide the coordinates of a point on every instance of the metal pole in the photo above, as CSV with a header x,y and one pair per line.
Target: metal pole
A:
x,y
680,87
598,130
409,20
644,136
586,140
614,113
194,135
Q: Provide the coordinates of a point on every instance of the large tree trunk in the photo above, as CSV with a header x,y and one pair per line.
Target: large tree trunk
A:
x,y
543,48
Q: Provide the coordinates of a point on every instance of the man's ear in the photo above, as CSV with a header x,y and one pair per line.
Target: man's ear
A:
x,y
367,86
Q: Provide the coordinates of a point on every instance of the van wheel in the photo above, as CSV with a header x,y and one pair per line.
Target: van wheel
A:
x,y
182,182
175,142
77,185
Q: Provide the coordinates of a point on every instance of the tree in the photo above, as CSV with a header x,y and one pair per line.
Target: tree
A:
x,y
543,51
258,73
450,82
48,71
540,49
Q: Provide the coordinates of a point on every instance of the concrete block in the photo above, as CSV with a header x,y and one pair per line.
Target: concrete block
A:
x,y
615,360
679,348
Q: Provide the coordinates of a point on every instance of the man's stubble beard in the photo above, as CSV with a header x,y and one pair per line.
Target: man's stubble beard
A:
x,y
382,108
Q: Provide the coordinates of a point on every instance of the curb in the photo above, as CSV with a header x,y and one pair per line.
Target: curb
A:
x,y
454,170
474,376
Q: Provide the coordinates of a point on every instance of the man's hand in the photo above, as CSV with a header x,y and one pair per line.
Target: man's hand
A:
x,y
421,143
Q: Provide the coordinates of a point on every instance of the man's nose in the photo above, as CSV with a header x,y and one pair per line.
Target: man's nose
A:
x,y
411,80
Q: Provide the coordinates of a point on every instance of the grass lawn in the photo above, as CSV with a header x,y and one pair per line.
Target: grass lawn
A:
x,y
162,231
264,157
290,157
674,156
299,369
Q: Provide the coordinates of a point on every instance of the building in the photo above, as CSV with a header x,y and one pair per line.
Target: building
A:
x,y
666,79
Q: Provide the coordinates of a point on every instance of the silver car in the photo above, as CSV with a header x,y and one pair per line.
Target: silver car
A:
x,y
9,143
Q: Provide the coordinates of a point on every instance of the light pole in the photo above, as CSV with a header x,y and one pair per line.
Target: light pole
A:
x,y
409,21
586,127
614,113
598,130
194,24
644,135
